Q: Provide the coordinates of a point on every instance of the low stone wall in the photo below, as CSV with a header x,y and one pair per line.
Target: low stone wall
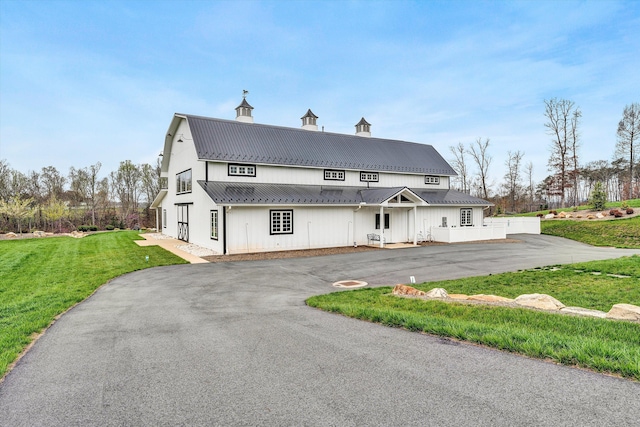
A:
x,y
544,302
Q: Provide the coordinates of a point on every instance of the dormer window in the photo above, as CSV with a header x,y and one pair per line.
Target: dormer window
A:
x,y
433,180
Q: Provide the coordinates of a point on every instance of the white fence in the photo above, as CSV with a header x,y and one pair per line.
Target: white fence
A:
x,y
516,225
468,234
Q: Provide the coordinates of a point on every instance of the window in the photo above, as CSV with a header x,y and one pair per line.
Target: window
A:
x,y
369,176
432,180
466,217
242,170
183,182
281,221
386,221
214,225
164,218
333,175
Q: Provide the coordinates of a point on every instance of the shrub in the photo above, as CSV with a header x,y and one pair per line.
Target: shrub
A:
x,y
109,227
629,211
624,205
598,197
83,228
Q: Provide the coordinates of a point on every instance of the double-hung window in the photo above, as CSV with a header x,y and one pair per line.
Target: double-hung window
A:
x,y
281,221
466,217
183,182
214,225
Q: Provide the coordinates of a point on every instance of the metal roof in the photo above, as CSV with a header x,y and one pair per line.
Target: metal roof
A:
x,y
234,141
227,193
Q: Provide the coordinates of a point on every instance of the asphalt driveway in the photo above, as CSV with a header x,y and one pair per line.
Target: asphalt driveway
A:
x,y
234,344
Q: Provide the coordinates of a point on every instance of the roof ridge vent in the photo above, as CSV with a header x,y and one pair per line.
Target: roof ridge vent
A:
x,y
309,121
363,128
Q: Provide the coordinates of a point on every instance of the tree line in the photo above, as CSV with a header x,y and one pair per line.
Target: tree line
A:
x,y
50,201
47,200
569,183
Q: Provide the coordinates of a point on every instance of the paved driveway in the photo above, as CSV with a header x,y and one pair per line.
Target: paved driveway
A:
x,y
234,344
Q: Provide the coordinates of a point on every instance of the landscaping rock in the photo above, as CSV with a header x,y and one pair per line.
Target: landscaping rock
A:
x,y
624,312
489,298
599,215
541,301
584,312
39,233
549,216
459,296
407,290
437,293
11,235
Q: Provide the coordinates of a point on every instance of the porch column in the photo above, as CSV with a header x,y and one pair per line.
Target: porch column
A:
x,y
381,226
415,225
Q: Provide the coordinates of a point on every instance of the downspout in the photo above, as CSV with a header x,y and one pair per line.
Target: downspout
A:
x,y
224,230
355,242
415,225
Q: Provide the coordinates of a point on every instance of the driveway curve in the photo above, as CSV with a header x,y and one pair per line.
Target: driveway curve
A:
x,y
234,344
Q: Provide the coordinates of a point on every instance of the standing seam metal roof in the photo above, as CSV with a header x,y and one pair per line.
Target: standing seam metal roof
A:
x,y
226,193
233,141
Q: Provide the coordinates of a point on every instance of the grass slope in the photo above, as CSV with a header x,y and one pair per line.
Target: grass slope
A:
x,y
621,233
41,278
598,344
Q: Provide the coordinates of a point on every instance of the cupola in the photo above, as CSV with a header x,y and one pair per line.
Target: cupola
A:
x,y
243,111
363,128
309,121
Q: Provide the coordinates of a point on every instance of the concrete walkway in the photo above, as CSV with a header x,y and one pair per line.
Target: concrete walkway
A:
x,y
170,245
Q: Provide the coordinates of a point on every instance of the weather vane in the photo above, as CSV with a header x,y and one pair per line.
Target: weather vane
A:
x,y
244,93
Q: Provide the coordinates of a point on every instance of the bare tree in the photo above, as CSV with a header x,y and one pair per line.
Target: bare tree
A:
x,y
482,160
52,182
513,176
562,124
528,170
5,179
460,166
126,187
628,137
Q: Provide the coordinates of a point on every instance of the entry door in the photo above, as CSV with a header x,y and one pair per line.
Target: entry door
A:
x,y
183,222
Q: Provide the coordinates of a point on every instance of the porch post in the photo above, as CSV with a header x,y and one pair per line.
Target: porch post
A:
x,y
381,226
415,225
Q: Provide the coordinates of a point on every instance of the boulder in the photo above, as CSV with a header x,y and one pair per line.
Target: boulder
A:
x,y
599,215
584,312
407,290
624,312
562,215
38,233
549,216
437,293
11,235
489,298
541,301
459,296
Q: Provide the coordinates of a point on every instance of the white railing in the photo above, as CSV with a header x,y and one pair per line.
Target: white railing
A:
x,y
516,225
468,234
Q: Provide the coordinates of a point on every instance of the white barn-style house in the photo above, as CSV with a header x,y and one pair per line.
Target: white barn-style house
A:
x,y
236,186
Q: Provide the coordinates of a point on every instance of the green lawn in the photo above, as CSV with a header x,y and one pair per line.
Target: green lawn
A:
x,y
41,278
598,344
620,233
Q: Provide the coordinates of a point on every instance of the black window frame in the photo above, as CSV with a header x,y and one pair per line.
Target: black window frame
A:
x,y
281,221
387,221
241,165
336,171
376,174
217,223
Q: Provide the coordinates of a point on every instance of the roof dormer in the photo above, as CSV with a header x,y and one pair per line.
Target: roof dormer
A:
x,y
243,112
363,128
309,121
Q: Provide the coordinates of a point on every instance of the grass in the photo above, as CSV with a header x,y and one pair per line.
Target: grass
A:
x,y
620,233
41,278
598,344
633,203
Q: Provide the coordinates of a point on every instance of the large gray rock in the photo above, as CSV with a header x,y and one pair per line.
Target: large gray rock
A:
x,y
437,293
624,312
540,301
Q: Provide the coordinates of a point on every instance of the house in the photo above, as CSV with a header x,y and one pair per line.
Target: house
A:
x,y
236,186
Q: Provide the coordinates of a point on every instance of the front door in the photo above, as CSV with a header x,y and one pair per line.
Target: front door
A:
x,y
183,222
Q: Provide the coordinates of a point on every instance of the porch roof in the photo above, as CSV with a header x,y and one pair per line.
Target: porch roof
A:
x,y
226,193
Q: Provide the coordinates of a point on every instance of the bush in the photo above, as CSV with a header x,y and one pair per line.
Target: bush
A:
x,y
624,205
629,211
109,227
83,228
598,197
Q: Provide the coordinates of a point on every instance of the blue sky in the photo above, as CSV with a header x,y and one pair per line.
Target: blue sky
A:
x,y
89,81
